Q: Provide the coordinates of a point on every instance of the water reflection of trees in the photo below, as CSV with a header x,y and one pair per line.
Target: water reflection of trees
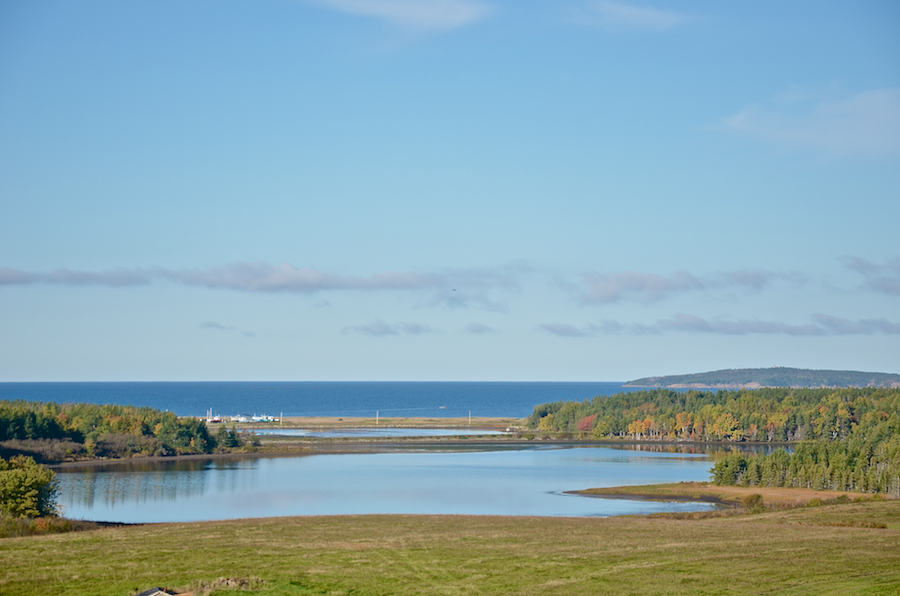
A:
x,y
700,448
153,481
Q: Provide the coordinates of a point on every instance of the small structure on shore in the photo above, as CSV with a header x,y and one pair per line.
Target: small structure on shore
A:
x,y
243,418
264,418
156,592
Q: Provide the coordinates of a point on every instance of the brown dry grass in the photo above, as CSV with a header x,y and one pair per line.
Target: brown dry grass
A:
x,y
732,495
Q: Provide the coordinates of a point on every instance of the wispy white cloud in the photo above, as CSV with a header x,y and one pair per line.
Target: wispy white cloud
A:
x,y
842,326
628,17
866,124
599,288
606,327
112,277
694,324
606,288
880,278
421,15
819,325
479,329
481,288
564,330
218,327
264,277
379,328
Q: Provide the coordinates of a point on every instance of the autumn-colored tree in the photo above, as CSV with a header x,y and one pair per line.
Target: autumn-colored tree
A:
x,y
587,423
636,429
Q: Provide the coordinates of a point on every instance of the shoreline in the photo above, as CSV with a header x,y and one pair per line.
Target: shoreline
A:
x,y
345,422
726,495
517,437
287,446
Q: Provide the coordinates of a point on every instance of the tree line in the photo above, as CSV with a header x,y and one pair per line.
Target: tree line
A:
x,y
56,432
846,439
855,465
861,465
754,415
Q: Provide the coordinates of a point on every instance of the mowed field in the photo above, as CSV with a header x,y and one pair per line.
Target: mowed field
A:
x,y
814,550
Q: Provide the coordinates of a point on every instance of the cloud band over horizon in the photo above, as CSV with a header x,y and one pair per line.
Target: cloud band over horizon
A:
x,y
820,325
453,287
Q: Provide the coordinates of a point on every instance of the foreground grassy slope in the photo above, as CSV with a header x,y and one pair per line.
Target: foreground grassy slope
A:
x,y
800,551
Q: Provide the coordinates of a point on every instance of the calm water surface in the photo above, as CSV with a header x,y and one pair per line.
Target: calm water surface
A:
x,y
520,481
435,399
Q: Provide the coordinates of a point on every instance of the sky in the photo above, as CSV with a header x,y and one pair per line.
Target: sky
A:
x,y
447,190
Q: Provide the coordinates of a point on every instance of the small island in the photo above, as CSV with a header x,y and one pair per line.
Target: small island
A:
x,y
777,376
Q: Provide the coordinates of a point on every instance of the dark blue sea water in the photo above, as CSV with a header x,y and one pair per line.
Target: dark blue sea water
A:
x,y
389,399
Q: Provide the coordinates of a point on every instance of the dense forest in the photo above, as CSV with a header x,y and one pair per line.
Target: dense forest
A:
x,y
759,415
847,439
60,432
861,465
772,377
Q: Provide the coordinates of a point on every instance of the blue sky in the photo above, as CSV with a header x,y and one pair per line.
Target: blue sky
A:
x,y
447,189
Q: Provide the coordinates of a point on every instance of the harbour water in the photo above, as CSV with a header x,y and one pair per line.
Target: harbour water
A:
x,y
530,480
389,399
510,480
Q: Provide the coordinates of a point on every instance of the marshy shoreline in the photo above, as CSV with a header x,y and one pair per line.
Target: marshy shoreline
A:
x,y
468,438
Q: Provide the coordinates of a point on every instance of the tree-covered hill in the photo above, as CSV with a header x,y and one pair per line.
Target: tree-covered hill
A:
x,y
750,378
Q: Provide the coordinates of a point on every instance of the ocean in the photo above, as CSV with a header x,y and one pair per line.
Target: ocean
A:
x,y
350,399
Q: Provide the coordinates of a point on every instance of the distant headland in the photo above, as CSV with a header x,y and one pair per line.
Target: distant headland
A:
x,y
754,378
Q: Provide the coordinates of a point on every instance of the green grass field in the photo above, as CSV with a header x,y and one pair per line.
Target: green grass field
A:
x,y
820,550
